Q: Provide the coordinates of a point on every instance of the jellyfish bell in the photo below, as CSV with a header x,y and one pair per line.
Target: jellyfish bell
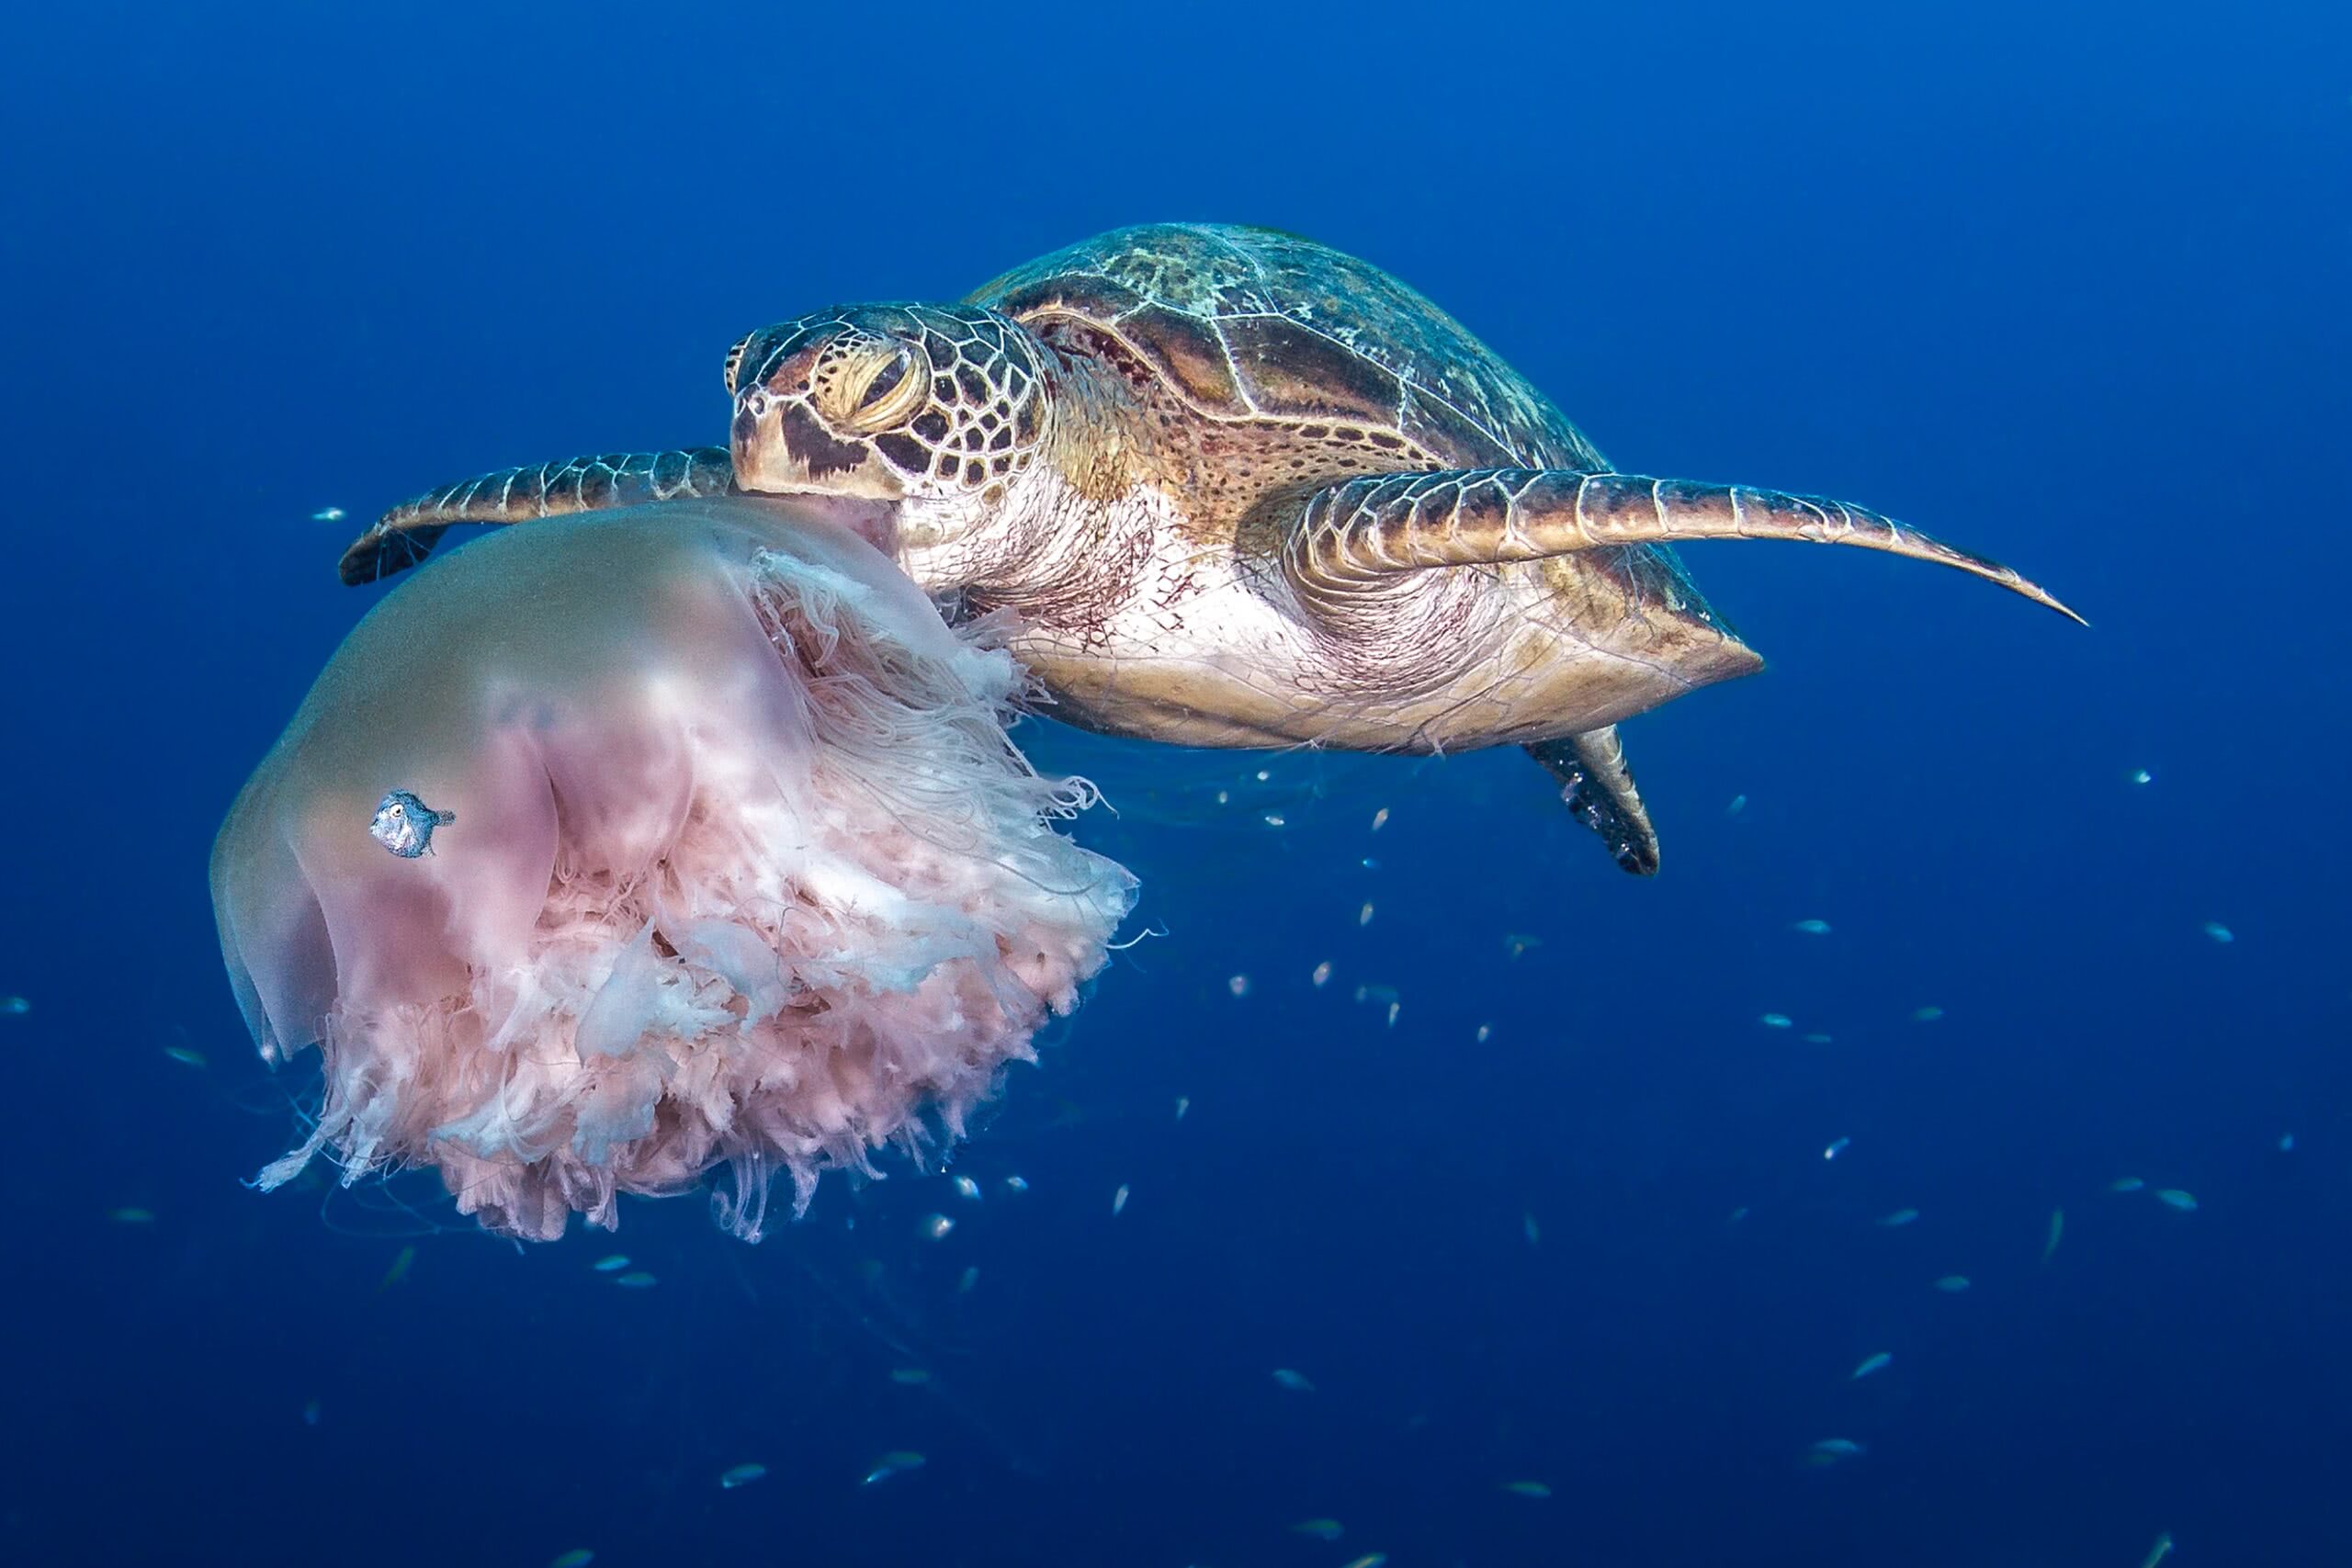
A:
x,y
734,866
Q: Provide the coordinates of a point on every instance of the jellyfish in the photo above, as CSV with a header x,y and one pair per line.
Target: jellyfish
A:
x,y
737,871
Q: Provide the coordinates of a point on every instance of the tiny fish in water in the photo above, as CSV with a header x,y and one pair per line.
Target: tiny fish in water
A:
x,y
2219,931
637,1280
14,1006
327,515
186,1056
2286,1143
968,1190
398,1271
1370,1560
1829,1450
1535,1232
2141,775
1119,1199
1239,986
1380,819
578,1557
1486,1031
132,1217
1016,1184
1322,976
2158,1552
2057,1229
404,824
1738,804
1812,928
1321,1529
1183,1103
1952,1284
2125,1184
1926,1014
1517,942
1528,1488
898,1462
2174,1197
1876,1362
966,1279
1836,1147
741,1475
1364,916
909,1377
309,1412
1296,1381
935,1226
611,1263
1900,1217
1776,1021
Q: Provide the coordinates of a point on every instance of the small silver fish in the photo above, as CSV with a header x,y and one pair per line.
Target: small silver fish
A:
x,y
404,824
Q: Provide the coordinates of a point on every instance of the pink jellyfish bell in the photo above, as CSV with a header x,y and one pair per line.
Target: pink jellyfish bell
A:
x,y
730,863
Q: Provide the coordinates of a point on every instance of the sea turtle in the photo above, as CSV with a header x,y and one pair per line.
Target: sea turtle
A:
x,y
1239,489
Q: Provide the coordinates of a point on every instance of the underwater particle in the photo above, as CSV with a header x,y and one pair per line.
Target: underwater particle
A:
x,y
1322,976
909,1377
1369,863
2159,1551
578,1557
1364,916
2174,1197
1534,1233
1517,942
14,1006
1952,1284
1816,1038
132,1217
968,1190
611,1263
1318,1529
1296,1381
935,1227
1876,1361
405,824
1238,985
1528,1488
1017,1185
1183,1104
898,1462
1812,928
1776,1021
2286,1143
1737,1215
1738,804
185,1055
637,1280
1837,1147
2125,1184
741,1475
1369,1560
327,515
969,1278
1926,1014
2219,931
1119,1199
1393,1009
398,1271
2057,1229
1380,819
309,1412
1834,1451
1900,1217
1486,1031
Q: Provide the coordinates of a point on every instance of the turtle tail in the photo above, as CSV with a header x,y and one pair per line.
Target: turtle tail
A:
x,y
406,535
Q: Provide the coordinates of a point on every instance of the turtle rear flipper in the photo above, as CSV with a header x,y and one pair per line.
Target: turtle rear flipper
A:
x,y
1363,533
1599,787
406,535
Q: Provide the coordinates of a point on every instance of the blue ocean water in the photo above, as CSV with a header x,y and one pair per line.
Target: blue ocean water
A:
x,y
2064,283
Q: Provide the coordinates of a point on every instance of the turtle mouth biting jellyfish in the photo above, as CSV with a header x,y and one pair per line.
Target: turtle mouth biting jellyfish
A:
x,y
1238,489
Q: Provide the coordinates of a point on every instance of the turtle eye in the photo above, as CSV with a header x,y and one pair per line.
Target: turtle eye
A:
x,y
735,359
874,390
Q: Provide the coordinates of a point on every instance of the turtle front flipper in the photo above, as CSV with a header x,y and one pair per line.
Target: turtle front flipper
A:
x,y
1599,787
1360,534
406,535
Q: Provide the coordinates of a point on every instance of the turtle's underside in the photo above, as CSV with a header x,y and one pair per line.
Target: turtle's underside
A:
x,y
1239,489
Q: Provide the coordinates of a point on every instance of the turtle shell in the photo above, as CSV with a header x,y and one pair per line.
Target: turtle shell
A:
x,y
1255,324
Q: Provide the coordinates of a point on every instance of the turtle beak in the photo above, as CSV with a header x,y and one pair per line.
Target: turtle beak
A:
x,y
781,448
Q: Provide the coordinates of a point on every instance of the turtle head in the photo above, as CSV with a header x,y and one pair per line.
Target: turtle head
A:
x,y
936,408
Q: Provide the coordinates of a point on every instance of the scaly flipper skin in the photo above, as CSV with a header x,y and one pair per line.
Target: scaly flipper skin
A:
x,y
1599,787
1364,533
406,535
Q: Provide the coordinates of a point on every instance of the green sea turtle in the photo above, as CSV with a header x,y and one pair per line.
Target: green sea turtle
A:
x,y
1238,489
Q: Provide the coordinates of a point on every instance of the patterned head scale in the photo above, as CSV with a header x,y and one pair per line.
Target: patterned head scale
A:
x,y
886,402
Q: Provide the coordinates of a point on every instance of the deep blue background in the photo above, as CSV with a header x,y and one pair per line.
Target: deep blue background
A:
x,y
2067,284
